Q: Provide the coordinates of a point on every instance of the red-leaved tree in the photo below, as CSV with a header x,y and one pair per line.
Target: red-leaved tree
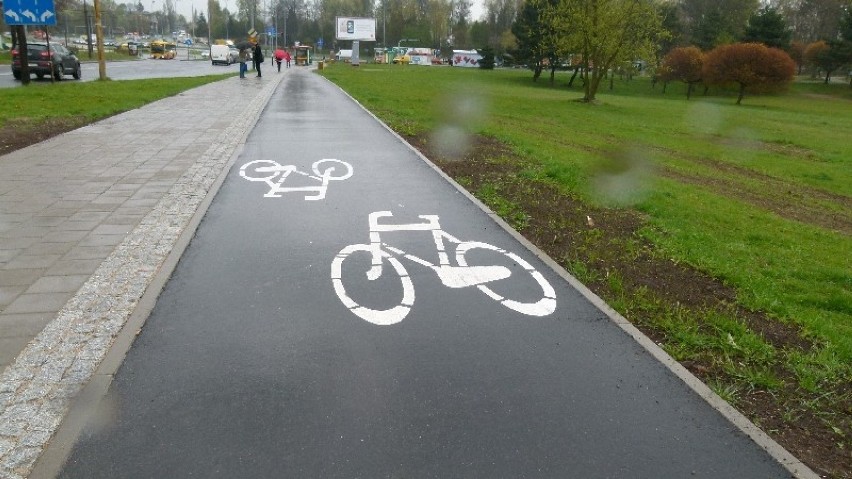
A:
x,y
797,53
828,57
752,66
684,64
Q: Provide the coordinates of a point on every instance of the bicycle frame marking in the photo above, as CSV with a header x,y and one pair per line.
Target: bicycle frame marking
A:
x,y
275,174
451,276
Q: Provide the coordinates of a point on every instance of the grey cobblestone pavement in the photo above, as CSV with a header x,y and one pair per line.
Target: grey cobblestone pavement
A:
x,y
86,221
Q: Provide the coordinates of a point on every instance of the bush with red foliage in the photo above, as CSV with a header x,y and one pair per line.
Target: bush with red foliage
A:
x,y
683,64
752,66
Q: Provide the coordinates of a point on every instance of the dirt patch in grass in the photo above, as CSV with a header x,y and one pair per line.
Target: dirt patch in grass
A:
x,y
604,249
789,200
23,132
793,201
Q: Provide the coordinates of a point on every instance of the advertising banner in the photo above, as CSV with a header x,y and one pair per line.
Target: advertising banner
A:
x,y
466,58
355,28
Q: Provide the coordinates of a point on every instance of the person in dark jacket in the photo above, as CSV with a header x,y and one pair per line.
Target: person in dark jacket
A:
x,y
257,57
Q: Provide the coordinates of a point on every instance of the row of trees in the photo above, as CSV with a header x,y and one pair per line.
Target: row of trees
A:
x,y
763,65
596,36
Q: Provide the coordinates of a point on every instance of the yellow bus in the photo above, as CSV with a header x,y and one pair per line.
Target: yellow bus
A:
x,y
161,50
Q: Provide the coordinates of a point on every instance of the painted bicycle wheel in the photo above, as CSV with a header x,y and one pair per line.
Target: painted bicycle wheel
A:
x,y
540,297
260,170
327,166
353,264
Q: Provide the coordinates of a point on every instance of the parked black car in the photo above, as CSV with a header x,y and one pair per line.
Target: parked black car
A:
x,y
60,61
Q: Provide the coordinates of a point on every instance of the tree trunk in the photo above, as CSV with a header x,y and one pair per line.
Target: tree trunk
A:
x,y
742,92
665,85
592,85
688,90
552,74
827,77
571,81
537,71
23,56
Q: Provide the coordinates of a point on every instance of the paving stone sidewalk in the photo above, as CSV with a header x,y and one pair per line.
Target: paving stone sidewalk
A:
x,y
86,220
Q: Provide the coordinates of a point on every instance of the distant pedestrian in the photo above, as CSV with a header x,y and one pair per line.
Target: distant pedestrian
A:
x,y
279,57
244,55
287,58
258,58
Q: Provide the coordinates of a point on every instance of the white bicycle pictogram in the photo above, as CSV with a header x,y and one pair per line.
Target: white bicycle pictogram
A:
x,y
275,174
458,275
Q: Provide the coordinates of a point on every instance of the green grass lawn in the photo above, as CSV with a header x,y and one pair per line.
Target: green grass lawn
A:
x,y
88,101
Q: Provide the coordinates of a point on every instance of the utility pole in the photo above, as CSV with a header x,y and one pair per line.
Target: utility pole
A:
x,y
209,23
66,28
88,28
99,33
19,41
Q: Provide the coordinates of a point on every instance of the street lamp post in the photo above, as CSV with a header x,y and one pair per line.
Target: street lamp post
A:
x,y
88,28
227,21
66,28
253,12
99,29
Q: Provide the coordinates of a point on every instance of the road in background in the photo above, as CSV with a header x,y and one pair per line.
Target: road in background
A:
x,y
131,70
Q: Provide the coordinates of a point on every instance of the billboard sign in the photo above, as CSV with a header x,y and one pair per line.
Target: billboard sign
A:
x,y
355,28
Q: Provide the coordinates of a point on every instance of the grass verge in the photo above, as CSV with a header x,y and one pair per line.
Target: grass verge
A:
x,y
41,110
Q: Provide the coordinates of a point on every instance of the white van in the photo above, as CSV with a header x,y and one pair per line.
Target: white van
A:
x,y
221,54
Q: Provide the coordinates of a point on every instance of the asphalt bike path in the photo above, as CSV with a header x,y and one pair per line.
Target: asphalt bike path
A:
x,y
345,311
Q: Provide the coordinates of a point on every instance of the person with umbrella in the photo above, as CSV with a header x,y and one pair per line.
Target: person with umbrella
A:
x,y
279,57
244,56
245,48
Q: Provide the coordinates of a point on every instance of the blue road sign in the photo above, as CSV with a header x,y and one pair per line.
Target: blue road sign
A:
x,y
29,12
271,31
320,42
